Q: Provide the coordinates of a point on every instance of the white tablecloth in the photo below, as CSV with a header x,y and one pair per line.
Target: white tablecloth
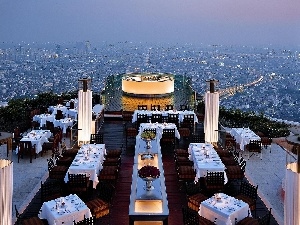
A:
x,y
57,214
88,161
42,118
164,113
72,113
243,136
63,123
37,138
225,210
205,159
53,109
159,128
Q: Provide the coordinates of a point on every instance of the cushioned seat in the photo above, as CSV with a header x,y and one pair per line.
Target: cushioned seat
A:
x,y
64,161
195,200
32,221
115,153
186,173
98,207
181,152
248,221
111,162
109,173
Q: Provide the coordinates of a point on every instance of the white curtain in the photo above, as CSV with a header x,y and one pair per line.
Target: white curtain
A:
x,y
292,195
6,191
84,116
211,118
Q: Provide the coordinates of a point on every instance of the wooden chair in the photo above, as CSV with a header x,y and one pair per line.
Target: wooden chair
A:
x,y
96,138
181,152
59,115
195,200
68,152
236,172
168,138
254,147
190,217
248,194
142,107
50,190
32,221
141,118
78,183
169,107
214,182
56,172
197,138
98,207
249,220
186,174
173,118
15,140
109,174
130,133
156,118
155,107
188,121
25,147
72,105
85,221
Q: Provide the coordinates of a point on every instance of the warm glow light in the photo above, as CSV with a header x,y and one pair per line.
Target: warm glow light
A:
x,y
148,87
148,206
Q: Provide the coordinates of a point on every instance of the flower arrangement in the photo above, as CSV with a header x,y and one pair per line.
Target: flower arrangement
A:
x,y
148,135
149,171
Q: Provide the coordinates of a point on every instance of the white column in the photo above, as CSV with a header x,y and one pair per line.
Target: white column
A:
x,y
292,195
6,191
211,118
84,116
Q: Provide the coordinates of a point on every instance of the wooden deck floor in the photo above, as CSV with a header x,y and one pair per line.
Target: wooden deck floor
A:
x,y
114,138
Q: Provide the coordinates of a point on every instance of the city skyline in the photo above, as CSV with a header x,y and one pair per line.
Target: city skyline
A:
x,y
224,22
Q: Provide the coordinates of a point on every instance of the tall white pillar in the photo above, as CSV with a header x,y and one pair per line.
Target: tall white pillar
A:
x,y
292,194
84,113
6,191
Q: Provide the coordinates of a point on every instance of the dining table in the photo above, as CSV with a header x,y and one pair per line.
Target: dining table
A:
x,y
63,123
42,118
53,109
243,136
64,210
224,209
37,138
159,128
205,159
88,160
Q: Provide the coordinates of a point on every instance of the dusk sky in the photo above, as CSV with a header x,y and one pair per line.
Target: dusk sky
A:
x,y
228,22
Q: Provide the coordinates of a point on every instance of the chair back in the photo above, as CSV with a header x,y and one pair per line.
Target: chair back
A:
x,y
59,115
155,107
141,118
213,178
72,105
142,107
17,132
168,134
197,139
266,219
86,221
96,138
255,146
152,130
173,118
156,118
25,146
190,217
50,190
169,107
249,190
77,180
